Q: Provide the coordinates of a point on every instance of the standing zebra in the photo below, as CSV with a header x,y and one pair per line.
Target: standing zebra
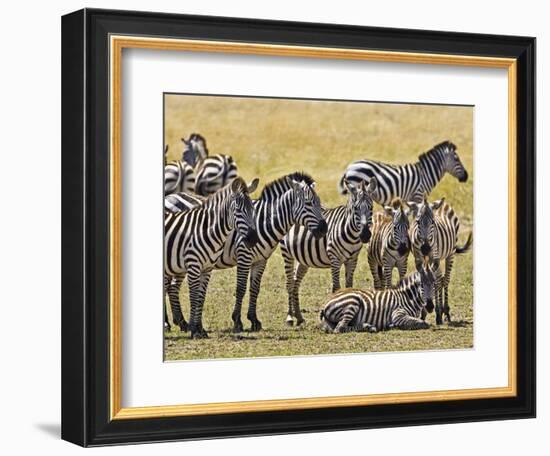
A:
x,y
348,228
411,181
195,150
378,310
179,175
390,244
283,203
434,237
193,242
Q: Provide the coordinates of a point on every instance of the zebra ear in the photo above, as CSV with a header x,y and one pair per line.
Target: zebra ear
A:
x,y
166,149
373,185
185,141
253,185
237,185
350,187
388,210
437,204
413,207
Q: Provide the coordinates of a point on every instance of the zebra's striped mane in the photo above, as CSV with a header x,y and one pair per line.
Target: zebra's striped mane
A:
x,y
437,149
409,281
222,193
282,184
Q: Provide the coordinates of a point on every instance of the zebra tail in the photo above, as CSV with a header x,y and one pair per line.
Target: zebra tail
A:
x,y
466,246
341,187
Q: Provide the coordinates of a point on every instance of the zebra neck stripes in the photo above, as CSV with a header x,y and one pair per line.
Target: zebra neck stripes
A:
x,y
431,167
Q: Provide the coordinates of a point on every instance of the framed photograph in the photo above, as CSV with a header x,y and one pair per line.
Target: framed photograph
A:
x,y
276,227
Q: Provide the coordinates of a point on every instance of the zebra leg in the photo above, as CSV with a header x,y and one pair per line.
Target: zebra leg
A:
x,y
344,323
387,269
300,273
174,297
402,268
401,320
446,280
256,274
335,266
349,267
196,284
243,268
167,326
289,272
376,272
438,302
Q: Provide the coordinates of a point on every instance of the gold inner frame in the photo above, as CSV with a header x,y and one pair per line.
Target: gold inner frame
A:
x,y
117,44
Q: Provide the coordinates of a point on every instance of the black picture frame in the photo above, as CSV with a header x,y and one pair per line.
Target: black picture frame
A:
x,y
85,227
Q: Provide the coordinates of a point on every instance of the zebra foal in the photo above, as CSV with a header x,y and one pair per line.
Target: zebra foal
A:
x,y
348,228
410,181
389,246
379,310
194,239
434,238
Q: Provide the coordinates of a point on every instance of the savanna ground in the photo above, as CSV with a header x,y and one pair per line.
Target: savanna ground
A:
x,y
271,138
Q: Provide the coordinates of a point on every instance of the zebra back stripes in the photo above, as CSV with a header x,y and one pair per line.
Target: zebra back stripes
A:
x,y
390,244
434,235
194,241
348,228
215,172
378,310
410,181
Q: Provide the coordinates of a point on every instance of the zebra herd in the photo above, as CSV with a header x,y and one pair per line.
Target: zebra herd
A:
x,y
211,223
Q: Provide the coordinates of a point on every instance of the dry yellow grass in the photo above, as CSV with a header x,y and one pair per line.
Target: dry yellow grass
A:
x,y
269,138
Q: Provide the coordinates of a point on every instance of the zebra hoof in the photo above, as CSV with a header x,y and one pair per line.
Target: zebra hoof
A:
x,y
300,322
184,327
289,322
167,327
199,335
256,326
238,327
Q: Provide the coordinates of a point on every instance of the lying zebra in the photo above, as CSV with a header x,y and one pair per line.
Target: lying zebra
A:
x,y
283,203
434,237
194,239
348,228
411,181
390,245
378,310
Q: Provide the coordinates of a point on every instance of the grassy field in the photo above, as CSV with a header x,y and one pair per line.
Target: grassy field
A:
x,y
270,138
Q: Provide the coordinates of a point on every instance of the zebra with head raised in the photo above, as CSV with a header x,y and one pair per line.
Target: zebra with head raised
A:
x,y
179,175
378,310
390,244
193,242
348,228
283,203
434,237
410,181
195,150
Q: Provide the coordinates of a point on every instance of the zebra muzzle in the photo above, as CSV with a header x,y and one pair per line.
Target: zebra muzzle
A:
x,y
425,249
430,306
365,235
251,238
